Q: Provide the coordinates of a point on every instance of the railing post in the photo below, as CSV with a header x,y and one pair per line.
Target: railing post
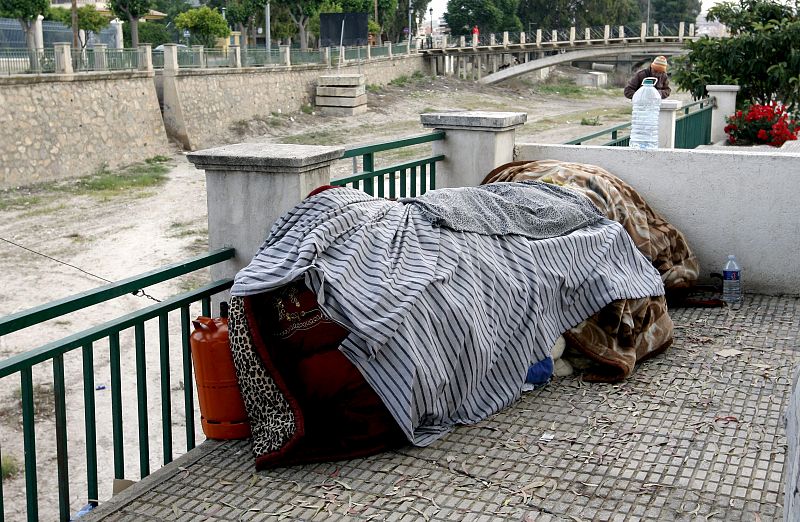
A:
x,y
680,31
325,57
523,38
476,143
491,39
587,34
666,123
462,41
505,38
198,56
655,31
100,52
444,41
724,106
119,42
145,57
234,57
622,32
171,59
286,55
249,186
606,33
63,58
691,30
643,35
572,36
474,40
38,33
369,52
554,36
538,38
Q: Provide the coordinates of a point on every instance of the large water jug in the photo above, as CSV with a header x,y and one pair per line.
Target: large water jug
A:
x,y
644,117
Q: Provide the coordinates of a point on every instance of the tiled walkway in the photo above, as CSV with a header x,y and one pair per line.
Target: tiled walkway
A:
x,y
695,434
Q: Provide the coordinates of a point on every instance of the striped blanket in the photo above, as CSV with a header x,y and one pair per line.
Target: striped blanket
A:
x,y
443,323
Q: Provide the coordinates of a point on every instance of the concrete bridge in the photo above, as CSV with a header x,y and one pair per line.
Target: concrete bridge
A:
x,y
493,61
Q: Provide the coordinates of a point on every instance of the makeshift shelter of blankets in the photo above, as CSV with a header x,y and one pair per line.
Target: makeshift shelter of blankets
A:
x,y
362,322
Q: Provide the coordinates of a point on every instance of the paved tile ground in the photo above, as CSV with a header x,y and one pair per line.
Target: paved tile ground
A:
x,y
692,435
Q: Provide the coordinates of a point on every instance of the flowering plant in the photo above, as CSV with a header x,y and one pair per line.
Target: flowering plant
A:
x,y
761,124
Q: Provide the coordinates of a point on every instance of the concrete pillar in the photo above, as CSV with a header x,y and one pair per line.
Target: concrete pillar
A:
x,y
198,56
724,106
476,143
369,52
554,36
491,39
101,57
666,123
505,38
479,64
643,35
119,41
145,57
462,41
622,32
417,43
791,473
38,34
691,30
170,58
444,41
234,56
538,38
572,36
655,31
606,33
286,55
249,186
63,58
389,49
325,56
235,35
523,38
681,30
474,40
587,34
494,63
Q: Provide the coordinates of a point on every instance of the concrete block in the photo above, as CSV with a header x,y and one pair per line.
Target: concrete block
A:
x,y
593,79
329,101
343,111
346,92
342,80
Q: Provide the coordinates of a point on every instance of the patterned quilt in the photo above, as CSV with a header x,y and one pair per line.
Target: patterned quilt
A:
x,y
626,331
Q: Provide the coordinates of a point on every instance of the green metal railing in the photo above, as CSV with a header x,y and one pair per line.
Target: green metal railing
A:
x,y
694,127
403,179
24,61
618,136
24,364
691,130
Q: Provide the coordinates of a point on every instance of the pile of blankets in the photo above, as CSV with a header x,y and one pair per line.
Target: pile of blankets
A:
x,y
444,302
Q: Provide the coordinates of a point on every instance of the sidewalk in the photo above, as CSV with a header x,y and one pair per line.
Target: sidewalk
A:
x,y
695,434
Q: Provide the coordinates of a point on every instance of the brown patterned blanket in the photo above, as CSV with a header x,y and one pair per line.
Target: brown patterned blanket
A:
x,y
630,330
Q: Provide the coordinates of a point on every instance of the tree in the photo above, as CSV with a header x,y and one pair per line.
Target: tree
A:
x,y
673,11
205,25
154,33
89,19
462,15
301,11
327,6
762,56
242,14
26,12
131,10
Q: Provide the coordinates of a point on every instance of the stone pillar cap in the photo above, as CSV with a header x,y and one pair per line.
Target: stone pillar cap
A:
x,y
473,120
723,88
671,105
265,157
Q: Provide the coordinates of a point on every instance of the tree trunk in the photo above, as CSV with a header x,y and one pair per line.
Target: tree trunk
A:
x,y
134,32
30,43
242,38
75,40
301,26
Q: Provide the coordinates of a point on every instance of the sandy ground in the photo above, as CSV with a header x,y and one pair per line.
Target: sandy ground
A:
x,y
146,229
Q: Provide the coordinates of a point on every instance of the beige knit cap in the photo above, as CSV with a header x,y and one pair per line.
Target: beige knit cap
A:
x,y
659,64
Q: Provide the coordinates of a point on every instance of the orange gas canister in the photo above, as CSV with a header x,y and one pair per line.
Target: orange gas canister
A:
x,y
221,407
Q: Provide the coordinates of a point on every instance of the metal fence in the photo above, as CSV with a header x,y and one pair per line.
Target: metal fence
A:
x,y
693,128
23,61
410,178
12,36
88,343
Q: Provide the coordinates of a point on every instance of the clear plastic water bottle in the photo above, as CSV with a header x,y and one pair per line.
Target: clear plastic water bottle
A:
x,y
732,282
644,117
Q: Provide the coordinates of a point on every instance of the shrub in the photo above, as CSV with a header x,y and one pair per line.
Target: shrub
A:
x,y
761,124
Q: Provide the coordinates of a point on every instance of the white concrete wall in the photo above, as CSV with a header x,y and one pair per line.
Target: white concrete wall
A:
x,y
725,202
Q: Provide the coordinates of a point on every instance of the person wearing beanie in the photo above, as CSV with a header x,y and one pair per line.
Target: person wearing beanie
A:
x,y
658,70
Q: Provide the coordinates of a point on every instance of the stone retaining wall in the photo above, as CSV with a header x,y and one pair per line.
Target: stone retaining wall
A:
x,y
66,126
200,106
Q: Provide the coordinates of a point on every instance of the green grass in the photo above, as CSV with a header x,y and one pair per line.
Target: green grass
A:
x,y
10,467
11,201
323,137
306,109
374,88
563,88
591,121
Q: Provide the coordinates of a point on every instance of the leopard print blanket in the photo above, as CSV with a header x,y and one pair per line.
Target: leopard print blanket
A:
x,y
626,331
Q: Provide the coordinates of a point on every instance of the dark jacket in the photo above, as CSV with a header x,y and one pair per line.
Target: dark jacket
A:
x,y
662,84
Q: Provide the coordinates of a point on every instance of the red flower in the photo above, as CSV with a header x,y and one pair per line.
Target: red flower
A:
x,y
762,135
